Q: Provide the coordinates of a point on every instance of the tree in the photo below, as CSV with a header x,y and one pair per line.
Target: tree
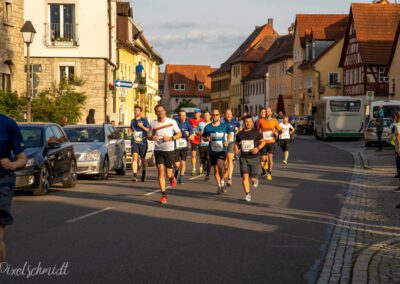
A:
x,y
12,105
57,101
185,103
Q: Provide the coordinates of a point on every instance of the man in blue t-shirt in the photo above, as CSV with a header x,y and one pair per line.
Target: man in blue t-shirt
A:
x,y
12,158
181,145
140,127
139,72
218,134
235,127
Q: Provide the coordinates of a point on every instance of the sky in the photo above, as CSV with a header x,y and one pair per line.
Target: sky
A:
x,y
207,32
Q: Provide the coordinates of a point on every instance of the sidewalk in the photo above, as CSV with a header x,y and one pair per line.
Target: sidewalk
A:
x,y
383,161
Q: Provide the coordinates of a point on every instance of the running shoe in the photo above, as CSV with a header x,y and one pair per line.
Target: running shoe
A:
x,y
134,179
173,182
285,162
144,176
248,197
219,190
180,179
229,182
200,170
176,173
269,177
194,172
265,167
255,183
164,199
223,187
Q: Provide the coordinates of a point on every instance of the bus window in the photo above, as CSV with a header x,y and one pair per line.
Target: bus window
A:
x,y
345,106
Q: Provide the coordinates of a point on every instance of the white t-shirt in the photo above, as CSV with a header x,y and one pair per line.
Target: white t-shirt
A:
x,y
285,131
167,128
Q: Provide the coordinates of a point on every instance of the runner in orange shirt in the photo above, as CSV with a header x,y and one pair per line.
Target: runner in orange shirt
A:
x,y
270,128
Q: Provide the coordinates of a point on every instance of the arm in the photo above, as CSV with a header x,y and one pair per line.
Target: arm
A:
x,y
145,126
18,164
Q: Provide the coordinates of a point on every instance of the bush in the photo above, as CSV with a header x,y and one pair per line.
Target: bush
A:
x,y
12,105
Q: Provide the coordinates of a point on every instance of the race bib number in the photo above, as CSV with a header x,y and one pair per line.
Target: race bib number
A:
x,y
268,135
247,145
138,137
217,146
181,143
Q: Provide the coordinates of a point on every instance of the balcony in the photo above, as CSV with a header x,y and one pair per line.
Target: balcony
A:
x,y
61,35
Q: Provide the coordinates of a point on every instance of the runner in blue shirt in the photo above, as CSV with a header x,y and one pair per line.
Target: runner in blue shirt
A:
x,y
181,145
204,145
140,127
234,126
215,133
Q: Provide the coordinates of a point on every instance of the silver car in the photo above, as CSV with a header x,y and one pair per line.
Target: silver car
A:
x,y
370,132
98,149
126,134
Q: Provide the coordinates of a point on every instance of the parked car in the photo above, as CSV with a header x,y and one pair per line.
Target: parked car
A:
x,y
126,134
98,149
50,158
370,132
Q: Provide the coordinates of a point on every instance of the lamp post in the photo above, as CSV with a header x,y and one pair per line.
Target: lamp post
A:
x,y
28,34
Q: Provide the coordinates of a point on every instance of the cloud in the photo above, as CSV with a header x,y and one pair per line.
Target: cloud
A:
x,y
179,25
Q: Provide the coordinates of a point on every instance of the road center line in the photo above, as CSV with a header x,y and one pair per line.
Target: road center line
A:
x,y
90,214
196,177
156,191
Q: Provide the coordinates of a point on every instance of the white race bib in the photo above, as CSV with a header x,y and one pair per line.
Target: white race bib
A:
x,y
138,137
247,145
181,143
268,135
217,146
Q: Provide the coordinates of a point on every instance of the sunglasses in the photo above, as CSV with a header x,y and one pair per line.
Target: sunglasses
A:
x,y
215,114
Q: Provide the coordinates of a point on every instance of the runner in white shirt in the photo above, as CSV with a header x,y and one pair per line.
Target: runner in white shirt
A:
x,y
164,132
284,138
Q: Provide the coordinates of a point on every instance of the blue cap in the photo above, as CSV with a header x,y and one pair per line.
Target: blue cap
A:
x,y
197,110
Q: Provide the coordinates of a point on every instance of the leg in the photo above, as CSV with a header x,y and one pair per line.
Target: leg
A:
x,y
230,158
219,174
135,163
286,155
270,162
182,168
2,245
398,165
194,153
245,182
161,177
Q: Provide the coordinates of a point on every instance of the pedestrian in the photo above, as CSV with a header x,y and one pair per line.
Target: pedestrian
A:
x,y
181,145
164,132
270,128
63,121
249,142
90,118
379,124
234,128
204,145
194,144
280,117
285,137
397,145
140,127
113,122
11,145
218,134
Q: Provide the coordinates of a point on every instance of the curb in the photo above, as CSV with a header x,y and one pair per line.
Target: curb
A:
x,y
360,274
366,166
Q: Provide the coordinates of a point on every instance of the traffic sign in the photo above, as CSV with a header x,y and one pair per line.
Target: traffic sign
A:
x,y
123,84
370,95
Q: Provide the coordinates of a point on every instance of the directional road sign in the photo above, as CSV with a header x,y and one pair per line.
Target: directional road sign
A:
x,y
123,84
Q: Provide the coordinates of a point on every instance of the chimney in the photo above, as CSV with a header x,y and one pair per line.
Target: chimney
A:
x,y
271,22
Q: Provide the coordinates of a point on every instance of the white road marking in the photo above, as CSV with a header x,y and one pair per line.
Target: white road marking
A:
x,y
156,191
90,214
196,177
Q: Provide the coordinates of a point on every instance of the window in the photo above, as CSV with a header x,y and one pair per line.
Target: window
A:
x,y
382,75
59,134
393,86
49,135
333,79
67,73
200,87
8,12
179,87
345,106
5,77
62,22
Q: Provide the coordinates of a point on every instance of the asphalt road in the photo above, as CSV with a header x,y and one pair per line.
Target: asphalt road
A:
x,y
116,231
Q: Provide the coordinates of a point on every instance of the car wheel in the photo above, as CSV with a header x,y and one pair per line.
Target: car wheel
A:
x,y
105,170
72,177
44,182
122,171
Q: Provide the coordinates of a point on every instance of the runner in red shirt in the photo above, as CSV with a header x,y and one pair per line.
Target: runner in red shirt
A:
x,y
195,143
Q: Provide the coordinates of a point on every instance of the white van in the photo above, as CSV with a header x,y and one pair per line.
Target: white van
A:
x,y
390,107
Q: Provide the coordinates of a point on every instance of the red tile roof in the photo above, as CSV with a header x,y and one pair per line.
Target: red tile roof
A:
x,y
191,76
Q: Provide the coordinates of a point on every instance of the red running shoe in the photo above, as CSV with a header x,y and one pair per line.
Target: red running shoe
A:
x,y
173,182
163,199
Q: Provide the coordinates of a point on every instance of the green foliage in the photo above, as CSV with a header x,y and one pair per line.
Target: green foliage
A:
x,y
12,105
57,101
185,103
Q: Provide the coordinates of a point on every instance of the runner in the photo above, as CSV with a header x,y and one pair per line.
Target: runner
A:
x,y
196,141
204,146
164,132
235,127
182,146
264,164
269,127
215,133
250,141
140,127
284,138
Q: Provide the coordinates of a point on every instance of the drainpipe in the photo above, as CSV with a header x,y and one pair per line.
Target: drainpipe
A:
x,y
109,61
266,89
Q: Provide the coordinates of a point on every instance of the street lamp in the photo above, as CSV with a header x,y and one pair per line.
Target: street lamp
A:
x,y
28,34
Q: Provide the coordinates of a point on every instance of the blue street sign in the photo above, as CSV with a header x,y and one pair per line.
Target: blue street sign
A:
x,y
123,84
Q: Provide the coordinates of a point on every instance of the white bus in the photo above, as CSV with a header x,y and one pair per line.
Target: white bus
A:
x,y
390,107
339,117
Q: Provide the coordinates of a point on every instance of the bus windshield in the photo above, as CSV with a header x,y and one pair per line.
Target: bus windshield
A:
x,y
345,106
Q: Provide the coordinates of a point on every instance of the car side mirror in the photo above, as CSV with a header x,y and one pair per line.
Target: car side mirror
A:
x,y
54,145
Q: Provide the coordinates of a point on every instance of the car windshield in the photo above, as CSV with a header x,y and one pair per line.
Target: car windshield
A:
x,y
32,136
386,123
125,133
85,134
345,106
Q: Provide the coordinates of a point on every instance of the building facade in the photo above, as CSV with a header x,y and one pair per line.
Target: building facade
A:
x,y
12,46
394,67
68,46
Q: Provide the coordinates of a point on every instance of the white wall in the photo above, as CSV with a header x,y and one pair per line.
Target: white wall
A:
x,y
258,98
92,30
